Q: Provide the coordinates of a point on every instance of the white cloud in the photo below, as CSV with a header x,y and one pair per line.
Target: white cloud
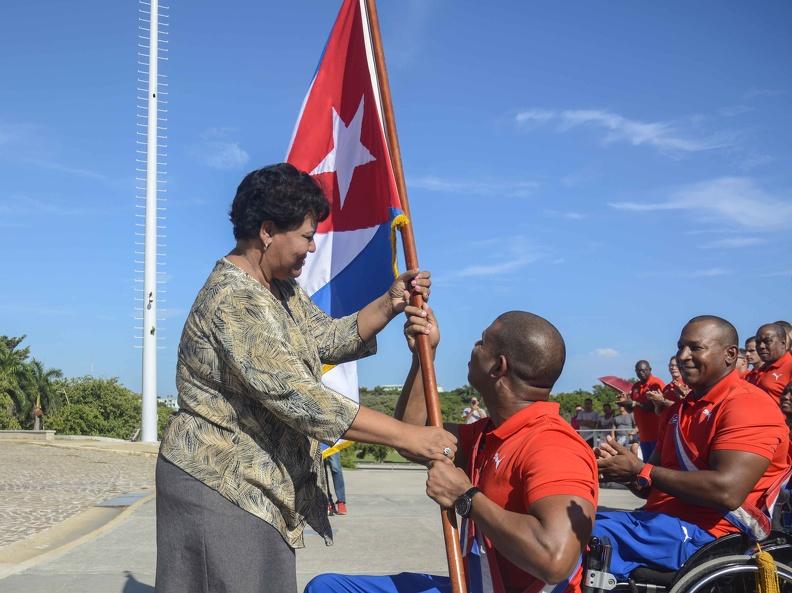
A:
x,y
534,115
662,135
218,150
734,110
511,189
708,273
733,243
736,200
754,93
23,205
499,268
777,274
79,172
410,31
606,352
567,214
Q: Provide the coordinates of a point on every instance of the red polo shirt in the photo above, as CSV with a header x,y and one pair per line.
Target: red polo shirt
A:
x,y
735,416
532,455
646,422
774,377
752,376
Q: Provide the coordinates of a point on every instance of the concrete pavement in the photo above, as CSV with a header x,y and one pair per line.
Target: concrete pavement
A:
x,y
391,527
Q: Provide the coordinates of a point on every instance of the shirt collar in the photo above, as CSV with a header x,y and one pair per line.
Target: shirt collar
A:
x,y
720,389
524,417
785,358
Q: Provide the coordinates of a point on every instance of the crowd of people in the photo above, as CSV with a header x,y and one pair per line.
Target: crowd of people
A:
x,y
639,410
239,477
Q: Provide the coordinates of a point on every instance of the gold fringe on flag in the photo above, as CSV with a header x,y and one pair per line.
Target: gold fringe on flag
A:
x,y
767,579
396,224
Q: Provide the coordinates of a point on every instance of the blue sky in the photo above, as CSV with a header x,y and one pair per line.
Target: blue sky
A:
x,y
616,168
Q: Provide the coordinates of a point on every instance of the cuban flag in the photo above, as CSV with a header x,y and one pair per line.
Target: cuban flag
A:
x,y
339,139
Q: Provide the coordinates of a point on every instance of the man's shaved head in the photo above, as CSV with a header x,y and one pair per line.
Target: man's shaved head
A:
x,y
533,347
725,332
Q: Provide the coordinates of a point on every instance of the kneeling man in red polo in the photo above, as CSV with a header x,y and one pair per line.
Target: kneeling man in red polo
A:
x,y
524,481
719,452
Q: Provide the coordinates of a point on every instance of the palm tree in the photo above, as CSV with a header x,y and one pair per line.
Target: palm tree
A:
x,y
15,374
47,399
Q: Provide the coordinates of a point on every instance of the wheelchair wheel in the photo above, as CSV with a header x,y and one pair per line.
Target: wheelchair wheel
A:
x,y
729,574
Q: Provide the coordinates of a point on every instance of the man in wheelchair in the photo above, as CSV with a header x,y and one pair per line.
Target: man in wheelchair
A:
x,y
720,462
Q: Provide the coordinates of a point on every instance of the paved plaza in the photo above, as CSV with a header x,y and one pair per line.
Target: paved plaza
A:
x,y
391,525
43,484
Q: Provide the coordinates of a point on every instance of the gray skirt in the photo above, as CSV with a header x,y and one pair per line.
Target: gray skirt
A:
x,y
207,544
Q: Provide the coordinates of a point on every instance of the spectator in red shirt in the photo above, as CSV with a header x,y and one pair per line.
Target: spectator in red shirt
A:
x,y
752,358
787,327
776,371
643,407
734,445
786,407
673,391
524,482
742,363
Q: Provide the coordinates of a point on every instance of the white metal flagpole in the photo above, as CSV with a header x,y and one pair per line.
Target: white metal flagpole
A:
x,y
149,416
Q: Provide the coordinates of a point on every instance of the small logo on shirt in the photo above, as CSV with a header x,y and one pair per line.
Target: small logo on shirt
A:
x,y
706,413
497,459
777,376
685,532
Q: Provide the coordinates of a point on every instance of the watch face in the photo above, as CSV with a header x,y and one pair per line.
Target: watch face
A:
x,y
462,506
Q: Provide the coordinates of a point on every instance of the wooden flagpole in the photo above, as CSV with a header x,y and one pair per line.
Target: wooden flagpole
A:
x,y
450,532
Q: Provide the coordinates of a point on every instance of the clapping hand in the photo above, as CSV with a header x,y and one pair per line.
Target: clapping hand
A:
x,y
617,463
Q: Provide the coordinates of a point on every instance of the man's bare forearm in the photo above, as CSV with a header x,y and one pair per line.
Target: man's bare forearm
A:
x,y
705,487
411,407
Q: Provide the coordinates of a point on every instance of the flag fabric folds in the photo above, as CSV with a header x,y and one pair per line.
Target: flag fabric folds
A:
x,y
339,139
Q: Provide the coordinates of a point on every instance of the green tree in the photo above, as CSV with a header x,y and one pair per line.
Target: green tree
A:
x,y
8,420
163,416
15,376
41,383
97,407
81,418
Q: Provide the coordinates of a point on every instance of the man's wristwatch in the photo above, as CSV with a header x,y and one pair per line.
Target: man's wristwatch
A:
x,y
464,504
644,477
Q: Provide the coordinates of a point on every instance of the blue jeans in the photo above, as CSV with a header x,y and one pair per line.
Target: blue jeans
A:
x,y
641,538
334,461
406,582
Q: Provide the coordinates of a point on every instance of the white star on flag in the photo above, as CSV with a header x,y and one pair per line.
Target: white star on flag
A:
x,y
347,153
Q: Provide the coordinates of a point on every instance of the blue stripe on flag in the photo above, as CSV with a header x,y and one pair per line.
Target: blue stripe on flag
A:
x,y
362,281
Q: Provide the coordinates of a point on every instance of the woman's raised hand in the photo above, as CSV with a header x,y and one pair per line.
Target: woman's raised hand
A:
x,y
405,286
421,321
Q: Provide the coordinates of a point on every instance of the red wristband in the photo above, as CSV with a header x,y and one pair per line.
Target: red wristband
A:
x,y
644,477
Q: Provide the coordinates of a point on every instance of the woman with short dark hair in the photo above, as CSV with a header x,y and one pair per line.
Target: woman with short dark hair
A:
x,y
240,469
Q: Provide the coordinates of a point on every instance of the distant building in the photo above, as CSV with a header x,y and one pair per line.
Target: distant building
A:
x,y
398,388
171,402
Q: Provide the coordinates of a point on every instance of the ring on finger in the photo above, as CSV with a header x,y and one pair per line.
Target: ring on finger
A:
x,y
447,451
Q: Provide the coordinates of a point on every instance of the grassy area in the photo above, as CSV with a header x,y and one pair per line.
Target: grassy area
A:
x,y
391,457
